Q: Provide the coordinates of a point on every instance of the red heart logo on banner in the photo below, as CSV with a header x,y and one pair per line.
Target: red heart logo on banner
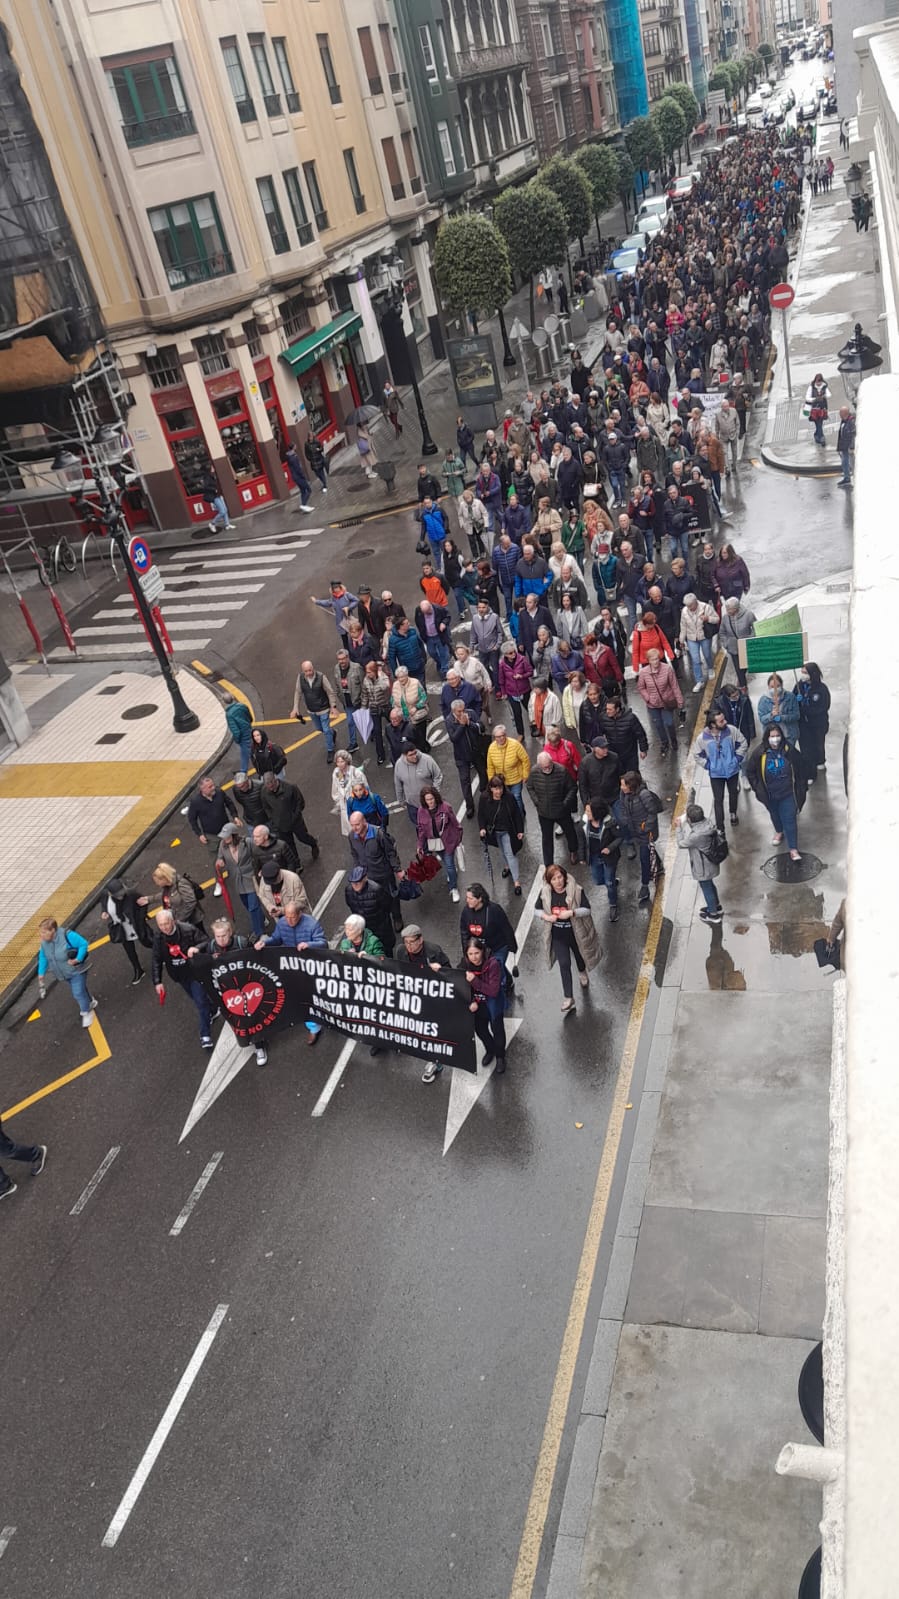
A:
x,y
243,1001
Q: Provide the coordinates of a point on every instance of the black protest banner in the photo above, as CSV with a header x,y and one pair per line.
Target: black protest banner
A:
x,y
383,1002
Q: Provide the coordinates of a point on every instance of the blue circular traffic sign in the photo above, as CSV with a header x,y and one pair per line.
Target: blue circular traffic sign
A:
x,y
139,551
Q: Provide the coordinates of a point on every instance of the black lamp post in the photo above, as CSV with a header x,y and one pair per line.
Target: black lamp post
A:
x,y
397,296
859,356
111,518
508,357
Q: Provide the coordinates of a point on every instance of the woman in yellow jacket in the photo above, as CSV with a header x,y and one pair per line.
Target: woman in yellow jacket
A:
x,y
508,759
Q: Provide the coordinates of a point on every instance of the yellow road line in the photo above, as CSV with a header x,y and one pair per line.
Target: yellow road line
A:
x,y
205,671
102,1053
548,1458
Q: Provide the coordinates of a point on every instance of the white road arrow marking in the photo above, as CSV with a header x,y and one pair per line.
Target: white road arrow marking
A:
x,y
229,1057
466,1088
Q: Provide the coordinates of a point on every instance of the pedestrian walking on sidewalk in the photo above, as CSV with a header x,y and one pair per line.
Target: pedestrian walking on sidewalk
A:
x,y
33,1155
694,832
315,455
721,749
814,718
569,931
126,918
211,491
295,468
780,705
816,400
392,405
776,777
171,941
737,622
846,445
63,954
368,460
240,726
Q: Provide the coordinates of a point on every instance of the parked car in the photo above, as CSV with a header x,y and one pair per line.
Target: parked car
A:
x,y
765,91
657,205
682,188
624,261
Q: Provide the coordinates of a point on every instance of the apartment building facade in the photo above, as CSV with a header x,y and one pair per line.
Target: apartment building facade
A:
x,y
663,28
256,166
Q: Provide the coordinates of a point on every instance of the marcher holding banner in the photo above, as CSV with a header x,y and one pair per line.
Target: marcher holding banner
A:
x,y
295,930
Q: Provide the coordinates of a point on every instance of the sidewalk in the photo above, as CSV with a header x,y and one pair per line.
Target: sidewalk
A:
x,y
836,285
76,800
715,1290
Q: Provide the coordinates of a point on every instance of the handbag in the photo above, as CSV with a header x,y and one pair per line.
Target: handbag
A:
x,y
827,954
435,846
711,628
460,857
407,889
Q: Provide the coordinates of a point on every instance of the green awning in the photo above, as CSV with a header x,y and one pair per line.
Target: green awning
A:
x,y
304,354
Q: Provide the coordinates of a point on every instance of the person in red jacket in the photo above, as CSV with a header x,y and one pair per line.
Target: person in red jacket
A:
x,y
601,664
563,752
647,635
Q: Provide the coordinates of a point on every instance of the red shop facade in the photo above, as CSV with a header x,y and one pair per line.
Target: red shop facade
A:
x,y
189,450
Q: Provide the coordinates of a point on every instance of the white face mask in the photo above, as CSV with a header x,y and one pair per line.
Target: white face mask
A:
x,y
803,677
774,743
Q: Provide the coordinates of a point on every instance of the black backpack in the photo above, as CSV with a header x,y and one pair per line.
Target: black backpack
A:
x,y
200,892
718,849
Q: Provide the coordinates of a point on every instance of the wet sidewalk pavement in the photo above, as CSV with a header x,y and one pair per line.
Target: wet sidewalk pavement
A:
x,y
715,1289
837,284
101,768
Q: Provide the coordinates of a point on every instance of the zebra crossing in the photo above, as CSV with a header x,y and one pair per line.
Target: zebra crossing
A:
x,y
204,591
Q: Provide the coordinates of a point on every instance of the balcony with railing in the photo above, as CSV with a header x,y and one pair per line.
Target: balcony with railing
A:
x,y
155,130
186,273
673,53
484,60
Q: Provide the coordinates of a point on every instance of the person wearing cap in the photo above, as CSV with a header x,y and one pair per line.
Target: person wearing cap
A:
x,y
423,956
598,780
236,858
209,810
372,901
247,793
240,725
125,915
278,884
295,929
371,612
318,695
340,603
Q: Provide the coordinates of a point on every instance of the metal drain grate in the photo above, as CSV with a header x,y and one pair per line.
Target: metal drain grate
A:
x,y
358,555
783,870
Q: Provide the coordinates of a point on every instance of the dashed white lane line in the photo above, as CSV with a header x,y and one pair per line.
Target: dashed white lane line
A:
x,y
6,1534
96,1180
181,1220
327,1093
154,1447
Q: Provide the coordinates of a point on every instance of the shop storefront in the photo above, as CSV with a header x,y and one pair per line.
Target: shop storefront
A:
x,y
325,401
187,446
232,415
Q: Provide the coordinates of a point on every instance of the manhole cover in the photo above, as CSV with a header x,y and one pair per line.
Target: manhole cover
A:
x,y
136,712
357,555
782,870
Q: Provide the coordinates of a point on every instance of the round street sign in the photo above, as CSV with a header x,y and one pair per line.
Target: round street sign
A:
x,y
139,551
781,296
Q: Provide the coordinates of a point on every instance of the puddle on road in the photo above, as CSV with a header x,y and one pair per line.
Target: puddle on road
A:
x,y
762,957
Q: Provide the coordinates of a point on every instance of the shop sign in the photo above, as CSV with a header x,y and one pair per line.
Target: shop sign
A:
x,y
475,375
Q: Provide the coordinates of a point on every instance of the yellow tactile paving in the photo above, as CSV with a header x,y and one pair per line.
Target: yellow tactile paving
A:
x,y
155,783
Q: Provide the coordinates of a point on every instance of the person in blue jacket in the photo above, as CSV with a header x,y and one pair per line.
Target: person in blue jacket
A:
x,y
781,707
240,726
296,930
722,749
63,954
532,575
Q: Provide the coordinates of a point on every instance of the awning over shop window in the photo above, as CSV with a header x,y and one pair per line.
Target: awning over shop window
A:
x,y
304,354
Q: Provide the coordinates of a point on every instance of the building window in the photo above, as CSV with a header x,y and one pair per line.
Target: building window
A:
x,y
276,229
315,196
393,76
214,354
150,97
442,57
446,149
412,164
237,80
651,41
559,113
349,161
164,368
298,206
254,338
324,51
394,176
270,98
295,317
282,61
547,33
370,60
427,55
190,241
656,85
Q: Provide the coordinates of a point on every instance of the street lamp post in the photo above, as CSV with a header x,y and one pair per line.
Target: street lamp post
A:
x,y
397,299
110,516
858,357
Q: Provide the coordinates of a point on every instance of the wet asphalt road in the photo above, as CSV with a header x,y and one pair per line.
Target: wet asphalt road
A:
x,y
369,1414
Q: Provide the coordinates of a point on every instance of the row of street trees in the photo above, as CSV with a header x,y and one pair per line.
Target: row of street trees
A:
x,y
533,225
734,77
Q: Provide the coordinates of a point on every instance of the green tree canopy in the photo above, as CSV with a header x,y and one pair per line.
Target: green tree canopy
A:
x,y
532,222
683,95
670,124
643,144
568,181
720,78
471,265
766,52
601,171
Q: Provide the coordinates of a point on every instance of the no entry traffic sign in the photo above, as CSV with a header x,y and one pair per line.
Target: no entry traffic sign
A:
x,y
139,551
781,296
